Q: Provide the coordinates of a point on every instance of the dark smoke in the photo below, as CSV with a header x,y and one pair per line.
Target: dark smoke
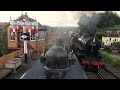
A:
x,y
87,24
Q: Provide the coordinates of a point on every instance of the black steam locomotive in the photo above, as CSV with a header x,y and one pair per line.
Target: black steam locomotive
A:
x,y
86,49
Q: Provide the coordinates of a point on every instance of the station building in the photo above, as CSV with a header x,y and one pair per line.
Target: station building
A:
x,y
111,36
15,42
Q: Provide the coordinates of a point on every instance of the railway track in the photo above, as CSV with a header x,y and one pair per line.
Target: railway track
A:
x,y
63,40
93,75
107,74
103,73
116,65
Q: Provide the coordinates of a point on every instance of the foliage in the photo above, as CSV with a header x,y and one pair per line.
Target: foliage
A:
x,y
117,45
98,22
3,43
108,19
110,58
107,49
116,27
99,34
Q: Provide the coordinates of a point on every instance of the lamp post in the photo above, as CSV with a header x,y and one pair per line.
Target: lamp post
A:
x,y
25,41
24,36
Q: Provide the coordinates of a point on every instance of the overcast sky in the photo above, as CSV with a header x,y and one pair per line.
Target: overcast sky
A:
x,y
51,18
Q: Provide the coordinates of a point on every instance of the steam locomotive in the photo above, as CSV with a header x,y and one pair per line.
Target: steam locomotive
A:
x,y
86,48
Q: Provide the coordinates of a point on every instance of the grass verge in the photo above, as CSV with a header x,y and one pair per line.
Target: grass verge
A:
x,y
110,58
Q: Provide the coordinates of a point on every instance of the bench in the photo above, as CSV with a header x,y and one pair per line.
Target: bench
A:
x,y
14,63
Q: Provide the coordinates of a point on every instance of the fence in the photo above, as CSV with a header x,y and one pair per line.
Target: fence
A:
x,y
7,57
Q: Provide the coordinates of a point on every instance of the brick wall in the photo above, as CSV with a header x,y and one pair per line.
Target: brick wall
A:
x,y
7,57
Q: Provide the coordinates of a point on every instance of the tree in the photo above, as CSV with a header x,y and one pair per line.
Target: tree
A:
x,y
99,34
117,45
3,43
108,19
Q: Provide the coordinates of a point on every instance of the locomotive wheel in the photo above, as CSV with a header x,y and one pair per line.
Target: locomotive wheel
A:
x,y
95,68
86,68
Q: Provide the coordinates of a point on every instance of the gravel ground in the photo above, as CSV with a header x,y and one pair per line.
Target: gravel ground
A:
x,y
113,68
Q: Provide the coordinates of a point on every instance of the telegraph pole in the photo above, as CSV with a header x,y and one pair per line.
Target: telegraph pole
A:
x,y
25,41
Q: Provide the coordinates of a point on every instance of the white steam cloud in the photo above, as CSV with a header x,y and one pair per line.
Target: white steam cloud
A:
x,y
88,23
70,18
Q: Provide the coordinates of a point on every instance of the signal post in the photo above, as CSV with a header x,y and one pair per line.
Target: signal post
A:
x,y
24,36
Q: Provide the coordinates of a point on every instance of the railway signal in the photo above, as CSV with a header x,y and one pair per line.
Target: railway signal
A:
x,y
24,36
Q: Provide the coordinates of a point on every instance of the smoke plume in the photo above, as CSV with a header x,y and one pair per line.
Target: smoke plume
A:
x,y
87,22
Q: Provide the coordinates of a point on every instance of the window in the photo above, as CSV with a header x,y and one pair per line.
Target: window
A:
x,y
111,43
115,39
32,36
12,36
110,39
19,34
28,35
41,35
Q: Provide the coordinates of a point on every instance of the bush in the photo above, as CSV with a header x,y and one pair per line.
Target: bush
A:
x,y
108,50
99,34
117,45
116,27
3,43
110,58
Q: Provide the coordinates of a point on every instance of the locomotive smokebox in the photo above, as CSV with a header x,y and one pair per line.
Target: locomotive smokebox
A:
x,y
56,58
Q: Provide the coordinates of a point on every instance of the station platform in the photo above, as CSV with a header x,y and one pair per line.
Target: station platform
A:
x,y
37,70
